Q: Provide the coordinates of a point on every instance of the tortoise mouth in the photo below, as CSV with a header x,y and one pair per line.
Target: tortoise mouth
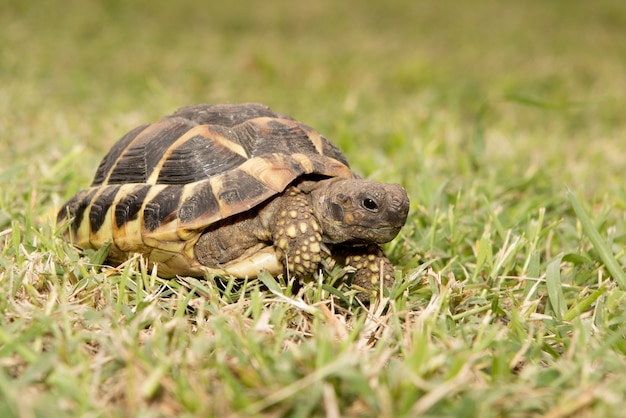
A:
x,y
376,235
386,234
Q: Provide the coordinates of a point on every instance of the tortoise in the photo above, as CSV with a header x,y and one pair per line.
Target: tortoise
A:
x,y
236,189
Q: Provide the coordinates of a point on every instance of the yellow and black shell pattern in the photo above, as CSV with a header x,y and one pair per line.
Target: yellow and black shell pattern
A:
x,y
161,185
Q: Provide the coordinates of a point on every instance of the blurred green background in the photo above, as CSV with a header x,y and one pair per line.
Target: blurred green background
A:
x,y
549,73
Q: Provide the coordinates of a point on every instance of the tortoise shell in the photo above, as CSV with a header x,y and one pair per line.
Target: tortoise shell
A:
x,y
161,185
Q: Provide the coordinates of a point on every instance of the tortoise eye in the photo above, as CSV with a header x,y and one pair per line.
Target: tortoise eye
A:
x,y
370,204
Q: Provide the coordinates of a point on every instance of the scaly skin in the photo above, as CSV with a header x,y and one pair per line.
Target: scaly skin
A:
x,y
296,233
370,264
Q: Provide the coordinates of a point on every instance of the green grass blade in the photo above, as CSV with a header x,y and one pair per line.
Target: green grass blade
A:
x,y
599,244
271,283
582,305
555,290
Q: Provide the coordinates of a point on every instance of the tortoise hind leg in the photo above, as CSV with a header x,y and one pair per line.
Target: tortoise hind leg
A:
x,y
226,241
237,247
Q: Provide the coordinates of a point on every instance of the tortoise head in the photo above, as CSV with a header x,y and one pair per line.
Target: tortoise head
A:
x,y
360,211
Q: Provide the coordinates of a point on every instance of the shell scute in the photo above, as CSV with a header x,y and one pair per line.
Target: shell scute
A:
x,y
201,202
100,206
271,136
143,154
129,205
162,208
114,154
225,114
75,208
204,154
239,186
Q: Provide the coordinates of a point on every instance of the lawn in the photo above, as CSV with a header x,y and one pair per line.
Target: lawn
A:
x,y
504,122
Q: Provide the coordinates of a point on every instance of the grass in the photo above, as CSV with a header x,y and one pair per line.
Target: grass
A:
x,y
504,122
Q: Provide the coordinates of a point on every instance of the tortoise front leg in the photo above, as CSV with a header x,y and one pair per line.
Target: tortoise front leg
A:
x,y
296,233
370,264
